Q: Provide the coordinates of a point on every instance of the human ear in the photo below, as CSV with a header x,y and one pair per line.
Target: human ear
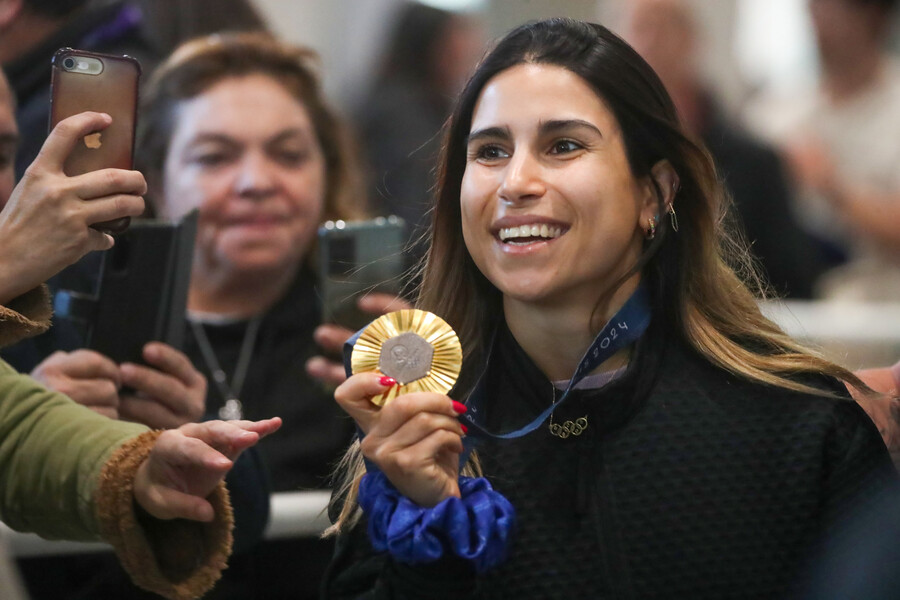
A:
x,y
666,182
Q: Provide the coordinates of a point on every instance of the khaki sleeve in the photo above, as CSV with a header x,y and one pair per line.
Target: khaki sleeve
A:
x,y
51,453
177,559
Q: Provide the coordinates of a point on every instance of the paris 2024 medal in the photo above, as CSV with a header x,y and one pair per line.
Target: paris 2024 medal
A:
x,y
415,347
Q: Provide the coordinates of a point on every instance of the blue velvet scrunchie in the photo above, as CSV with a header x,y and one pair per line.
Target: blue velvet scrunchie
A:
x,y
477,526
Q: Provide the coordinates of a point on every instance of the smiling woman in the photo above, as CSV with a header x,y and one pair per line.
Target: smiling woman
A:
x,y
656,435
259,189
237,127
545,151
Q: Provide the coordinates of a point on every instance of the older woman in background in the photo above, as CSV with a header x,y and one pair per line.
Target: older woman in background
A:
x,y
237,127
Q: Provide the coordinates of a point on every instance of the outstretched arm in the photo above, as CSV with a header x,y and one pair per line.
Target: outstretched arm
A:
x,y
161,503
187,464
69,473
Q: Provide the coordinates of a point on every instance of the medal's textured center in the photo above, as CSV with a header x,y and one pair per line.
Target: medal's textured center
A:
x,y
406,357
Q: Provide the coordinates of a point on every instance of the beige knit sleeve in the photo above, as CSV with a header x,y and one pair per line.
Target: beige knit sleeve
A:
x,y
178,559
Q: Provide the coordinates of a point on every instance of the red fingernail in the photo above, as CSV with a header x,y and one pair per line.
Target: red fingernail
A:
x,y
459,408
387,381
464,428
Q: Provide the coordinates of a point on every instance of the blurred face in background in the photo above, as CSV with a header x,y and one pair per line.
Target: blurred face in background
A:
x,y
8,141
844,26
663,33
457,52
245,153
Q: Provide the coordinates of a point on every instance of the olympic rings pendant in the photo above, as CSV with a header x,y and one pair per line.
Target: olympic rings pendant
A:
x,y
568,428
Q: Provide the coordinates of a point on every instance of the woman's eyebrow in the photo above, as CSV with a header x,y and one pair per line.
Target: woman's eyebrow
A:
x,y
213,138
488,132
557,125
288,134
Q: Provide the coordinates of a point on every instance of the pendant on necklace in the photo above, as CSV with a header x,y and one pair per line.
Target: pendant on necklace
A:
x,y
232,411
568,428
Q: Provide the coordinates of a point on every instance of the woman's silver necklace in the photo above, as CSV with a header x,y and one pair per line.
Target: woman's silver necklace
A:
x,y
230,392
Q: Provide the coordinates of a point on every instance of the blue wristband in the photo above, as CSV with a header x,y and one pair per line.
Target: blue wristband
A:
x,y
478,526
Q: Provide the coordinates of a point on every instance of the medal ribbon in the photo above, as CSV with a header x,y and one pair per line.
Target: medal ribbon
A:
x,y
622,330
478,526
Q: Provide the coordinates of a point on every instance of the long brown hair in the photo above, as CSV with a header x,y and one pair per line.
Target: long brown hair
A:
x,y
199,64
702,281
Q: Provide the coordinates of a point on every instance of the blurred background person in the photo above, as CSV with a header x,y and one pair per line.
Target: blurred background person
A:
x,y
426,60
166,398
32,30
52,451
30,33
667,35
843,142
237,127
169,23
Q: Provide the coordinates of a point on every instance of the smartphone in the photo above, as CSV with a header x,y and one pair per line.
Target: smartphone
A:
x,y
142,292
88,81
356,258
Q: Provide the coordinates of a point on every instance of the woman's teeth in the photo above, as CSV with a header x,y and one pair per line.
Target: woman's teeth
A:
x,y
530,231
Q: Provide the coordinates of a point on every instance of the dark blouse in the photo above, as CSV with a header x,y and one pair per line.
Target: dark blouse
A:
x,y
315,430
708,486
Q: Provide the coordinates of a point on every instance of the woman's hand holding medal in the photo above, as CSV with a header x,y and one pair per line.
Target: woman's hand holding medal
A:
x,y
419,507
404,363
415,439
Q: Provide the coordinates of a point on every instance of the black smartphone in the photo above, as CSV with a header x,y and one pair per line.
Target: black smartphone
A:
x,y
89,81
142,292
356,258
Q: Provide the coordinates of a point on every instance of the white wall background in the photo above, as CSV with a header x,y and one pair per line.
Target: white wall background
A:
x,y
348,33
751,44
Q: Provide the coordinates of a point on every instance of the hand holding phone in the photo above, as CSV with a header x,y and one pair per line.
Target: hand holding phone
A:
x,y
45,226
328,367
88,81
357,258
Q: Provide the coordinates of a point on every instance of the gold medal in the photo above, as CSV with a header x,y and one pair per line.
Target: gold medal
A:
x,y
415,347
